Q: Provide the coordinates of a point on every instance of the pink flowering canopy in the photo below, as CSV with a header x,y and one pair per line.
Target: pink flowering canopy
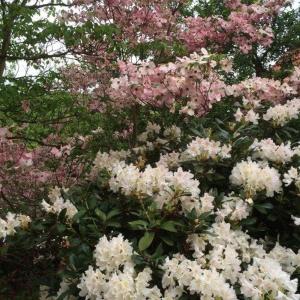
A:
x,y
152,33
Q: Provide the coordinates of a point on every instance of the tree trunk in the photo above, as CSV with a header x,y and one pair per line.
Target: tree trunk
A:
x,y
5,47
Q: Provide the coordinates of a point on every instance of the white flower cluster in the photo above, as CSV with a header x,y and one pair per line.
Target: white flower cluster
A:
x,y
111,254
256,177
181,273
105,160
204,148
210,275
152,129
166,187
267,150
150,139
58,204
266,273
173,133
115,278
279,114
296,220
250,116
64,286
11,222
169,160
233,208
292,175
207,203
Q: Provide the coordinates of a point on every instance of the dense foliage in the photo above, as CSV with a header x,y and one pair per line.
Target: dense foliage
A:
x,y
164,163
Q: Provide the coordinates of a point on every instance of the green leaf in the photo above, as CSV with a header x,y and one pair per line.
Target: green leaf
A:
x,y
138,224
169,226
92,203
100,214
113,224
242,142
158,252
63,295
249,221
62,214
113,213
263,207
72,261
266,205
167,240
61,228
220,122
146,240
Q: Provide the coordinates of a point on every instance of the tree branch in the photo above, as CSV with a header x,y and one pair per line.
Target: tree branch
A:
x,y
49,5
34,57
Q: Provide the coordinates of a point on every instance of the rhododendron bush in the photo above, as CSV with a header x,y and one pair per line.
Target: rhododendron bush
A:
x,y
186,185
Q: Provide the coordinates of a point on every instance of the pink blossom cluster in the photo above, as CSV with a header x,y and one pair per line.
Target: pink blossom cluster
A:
x,y
132,22
191,84
26,173
194,88
294,79
246,25
89,87
191,81
136,20
263,89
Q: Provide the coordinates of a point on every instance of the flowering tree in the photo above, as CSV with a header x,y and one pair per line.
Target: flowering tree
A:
x,y
196,196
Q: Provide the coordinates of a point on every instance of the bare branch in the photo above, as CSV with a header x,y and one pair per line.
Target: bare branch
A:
x,y
34,57
49,5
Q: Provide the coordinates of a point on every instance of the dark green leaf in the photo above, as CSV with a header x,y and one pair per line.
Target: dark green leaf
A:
x,y
146,240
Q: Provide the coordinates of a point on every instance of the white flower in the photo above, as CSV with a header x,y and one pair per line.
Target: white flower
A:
x,y
120,287
153,180
249,201
205,282
296,220
287,258
98,130
64,286
238,115
226,65
166,188
204,148
291,176
92,284
143,291
207,202
268,150
153,128
169,160
225,259
252,117
125,178
11,222
254,103
112,254
115,277
255,177
106,161
279,114
233,207
181,187
265,276
58,204
173,133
